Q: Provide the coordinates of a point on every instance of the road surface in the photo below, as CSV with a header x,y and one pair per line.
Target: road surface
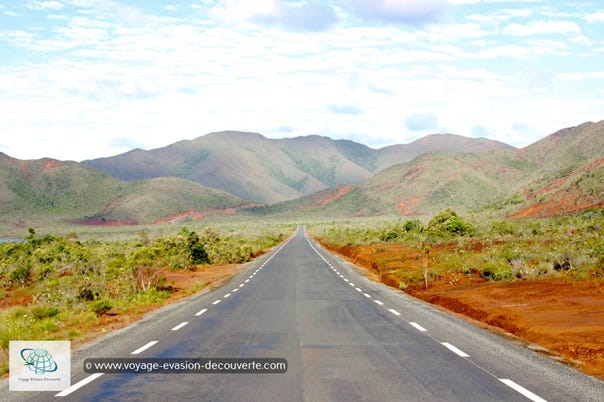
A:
x,y
344,338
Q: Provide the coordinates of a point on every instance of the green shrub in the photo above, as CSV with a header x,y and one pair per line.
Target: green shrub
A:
x,y
497,271
100,306
40,312
448,224
21,274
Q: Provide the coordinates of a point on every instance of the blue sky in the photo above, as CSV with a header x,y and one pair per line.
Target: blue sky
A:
x,y
82,79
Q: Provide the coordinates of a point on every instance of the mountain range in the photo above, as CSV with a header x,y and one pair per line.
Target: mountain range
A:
x,y
247,173
263,170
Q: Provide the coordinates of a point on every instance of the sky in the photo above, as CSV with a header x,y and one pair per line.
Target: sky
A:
x,y
83,79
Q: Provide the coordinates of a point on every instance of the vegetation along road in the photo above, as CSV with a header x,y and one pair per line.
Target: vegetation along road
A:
x,y
343,337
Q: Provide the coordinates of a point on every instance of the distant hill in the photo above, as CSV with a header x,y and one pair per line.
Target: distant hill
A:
x,y
443,143
568,174
560,174
47,190
259,169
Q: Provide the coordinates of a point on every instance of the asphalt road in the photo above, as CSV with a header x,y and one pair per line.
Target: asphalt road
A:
x,y
344,338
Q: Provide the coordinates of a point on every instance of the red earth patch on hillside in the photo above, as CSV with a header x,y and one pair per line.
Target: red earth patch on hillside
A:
x,y
406,207
561,197
196,215
327,197
51,164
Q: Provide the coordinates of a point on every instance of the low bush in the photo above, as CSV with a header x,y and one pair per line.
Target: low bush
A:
x,y
39,312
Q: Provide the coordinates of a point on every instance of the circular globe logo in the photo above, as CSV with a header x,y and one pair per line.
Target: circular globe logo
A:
x,y
38,360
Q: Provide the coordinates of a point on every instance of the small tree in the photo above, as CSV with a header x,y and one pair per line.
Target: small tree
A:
x,y
425,260
146,272
448,224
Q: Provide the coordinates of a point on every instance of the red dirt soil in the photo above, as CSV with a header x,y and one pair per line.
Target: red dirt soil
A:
x,y
565,317
183,283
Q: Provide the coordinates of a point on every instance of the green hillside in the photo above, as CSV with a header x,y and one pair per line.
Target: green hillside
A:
x,y
47,190
561,174
259,169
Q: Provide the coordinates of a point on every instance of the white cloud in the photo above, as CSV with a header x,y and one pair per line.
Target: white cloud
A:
x,y
597,17
512,1
542,28
415,12
126,76
44,5
311,15
462,2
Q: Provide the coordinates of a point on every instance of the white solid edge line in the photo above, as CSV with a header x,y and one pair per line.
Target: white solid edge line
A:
x,y
179,326
216,302
79,385
379,302
143,348
393,311
455,350
200,312
522,390
418,327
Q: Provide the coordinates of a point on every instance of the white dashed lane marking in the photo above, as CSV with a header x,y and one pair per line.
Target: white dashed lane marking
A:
x,y
179,326
79,385
143,348
417,326
200,312
455,350
528,394
522,390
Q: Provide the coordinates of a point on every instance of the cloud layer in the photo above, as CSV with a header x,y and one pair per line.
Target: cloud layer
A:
x,y
89,78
